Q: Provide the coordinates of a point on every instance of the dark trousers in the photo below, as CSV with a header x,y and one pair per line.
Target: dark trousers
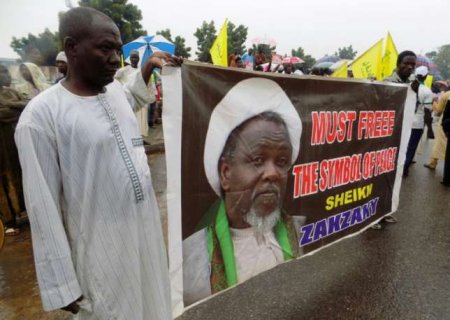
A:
x,y
447,163
414,140
151,114
428,118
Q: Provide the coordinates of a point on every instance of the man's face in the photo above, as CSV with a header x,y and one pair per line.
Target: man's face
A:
x,y
62,67
406,67
256,175
134,59
288,68
97,55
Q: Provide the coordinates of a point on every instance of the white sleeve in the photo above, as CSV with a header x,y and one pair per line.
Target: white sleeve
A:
x,y
425,97
56,275
138,94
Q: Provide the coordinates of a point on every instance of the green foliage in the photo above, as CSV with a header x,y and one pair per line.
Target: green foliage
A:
x,y
236,38
125,15
41,49
346,53
180,47
309,60
264,48
442,60
205,34
180,43
431,54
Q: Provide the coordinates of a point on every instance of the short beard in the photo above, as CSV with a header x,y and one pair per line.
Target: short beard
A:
x,y
262,225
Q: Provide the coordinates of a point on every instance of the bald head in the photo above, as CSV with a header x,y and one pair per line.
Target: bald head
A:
x,y
92,45
77,22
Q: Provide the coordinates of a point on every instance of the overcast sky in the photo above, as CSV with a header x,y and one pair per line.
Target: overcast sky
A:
x,y
318,26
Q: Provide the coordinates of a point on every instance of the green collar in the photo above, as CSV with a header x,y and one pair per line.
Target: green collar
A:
x,y
222,230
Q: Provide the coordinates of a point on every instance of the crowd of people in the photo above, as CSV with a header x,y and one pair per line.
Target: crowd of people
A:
x,y
61,133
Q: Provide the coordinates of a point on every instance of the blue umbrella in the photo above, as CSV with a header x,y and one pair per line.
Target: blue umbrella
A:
x,y
146,45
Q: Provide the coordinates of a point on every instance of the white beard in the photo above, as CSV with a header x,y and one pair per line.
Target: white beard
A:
x,y
262,225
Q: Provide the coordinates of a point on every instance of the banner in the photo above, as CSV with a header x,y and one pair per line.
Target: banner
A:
x,y
368,65
265,168
219,49
389,61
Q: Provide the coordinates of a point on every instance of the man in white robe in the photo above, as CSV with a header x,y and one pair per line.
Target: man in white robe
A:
x,y
96,230
127,73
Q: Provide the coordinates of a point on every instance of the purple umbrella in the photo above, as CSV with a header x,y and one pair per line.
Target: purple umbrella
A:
x,y
432,67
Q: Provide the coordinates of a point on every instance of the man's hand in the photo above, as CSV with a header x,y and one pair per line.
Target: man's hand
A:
x,y
159,60
73,307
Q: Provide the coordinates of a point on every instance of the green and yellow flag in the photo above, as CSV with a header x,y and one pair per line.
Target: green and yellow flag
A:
x,y
219,49
342,71
368,65
389,61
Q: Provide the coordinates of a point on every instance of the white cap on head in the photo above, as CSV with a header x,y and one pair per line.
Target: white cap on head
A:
x,y
61,57
245,100
421,71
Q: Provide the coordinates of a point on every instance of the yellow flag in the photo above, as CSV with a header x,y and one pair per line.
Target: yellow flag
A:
x,y
389,62
429,81
368,65
341,72
219,49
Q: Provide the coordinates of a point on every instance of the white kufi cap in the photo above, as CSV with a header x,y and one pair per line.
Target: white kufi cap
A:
x,y
245,100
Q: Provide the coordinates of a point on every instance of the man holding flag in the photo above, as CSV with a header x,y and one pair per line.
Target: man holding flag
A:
x,y
406,63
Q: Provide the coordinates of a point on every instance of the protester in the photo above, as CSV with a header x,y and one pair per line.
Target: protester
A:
x,y
248,59
232,59
424,100
446,127
440,141
96,229
11,194
124,75
406,64
239,63
151,119
260,58
61,64
35,81
248,218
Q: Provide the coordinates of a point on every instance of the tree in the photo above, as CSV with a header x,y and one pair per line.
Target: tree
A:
x,y
41,49
431,55
180,43
346,53
442,60
126,16
309,60
236,38
266,49
205,34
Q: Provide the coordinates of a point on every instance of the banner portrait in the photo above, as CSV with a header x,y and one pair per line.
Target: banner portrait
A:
x,y
264,168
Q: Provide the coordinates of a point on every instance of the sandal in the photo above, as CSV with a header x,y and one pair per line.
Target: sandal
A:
x,y
389,219
376,226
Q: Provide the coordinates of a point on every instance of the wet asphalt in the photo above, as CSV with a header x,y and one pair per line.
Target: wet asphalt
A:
x,y
399,272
